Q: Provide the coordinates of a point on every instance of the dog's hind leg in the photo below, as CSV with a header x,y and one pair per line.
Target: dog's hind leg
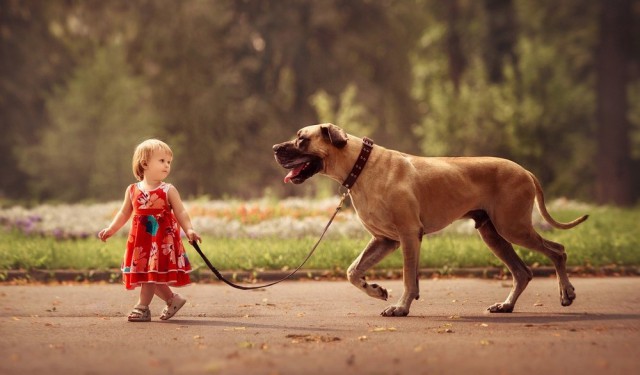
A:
x,y
555,252
525,236
520,273
376,250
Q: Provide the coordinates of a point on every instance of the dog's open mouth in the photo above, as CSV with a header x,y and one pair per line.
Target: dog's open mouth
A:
x,y
299,172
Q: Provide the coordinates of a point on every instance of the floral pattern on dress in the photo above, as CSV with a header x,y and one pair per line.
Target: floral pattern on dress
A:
x,y
155,253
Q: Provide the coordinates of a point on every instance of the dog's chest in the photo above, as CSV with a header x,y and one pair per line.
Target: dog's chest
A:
x,y
374,219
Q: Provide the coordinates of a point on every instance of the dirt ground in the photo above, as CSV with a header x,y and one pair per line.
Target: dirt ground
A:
x,y
324,327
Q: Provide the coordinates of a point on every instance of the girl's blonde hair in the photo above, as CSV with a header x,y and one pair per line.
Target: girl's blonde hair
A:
x,y
143,153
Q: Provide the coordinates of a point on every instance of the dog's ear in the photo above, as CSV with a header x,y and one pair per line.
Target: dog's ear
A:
x,y
334,134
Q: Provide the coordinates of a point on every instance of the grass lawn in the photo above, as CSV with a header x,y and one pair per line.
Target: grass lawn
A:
x,y
611,236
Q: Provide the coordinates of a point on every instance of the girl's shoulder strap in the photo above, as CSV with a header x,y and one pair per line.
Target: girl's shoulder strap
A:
x,y
165,187
132,189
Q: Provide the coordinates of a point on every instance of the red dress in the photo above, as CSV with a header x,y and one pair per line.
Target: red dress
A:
x,y
154,250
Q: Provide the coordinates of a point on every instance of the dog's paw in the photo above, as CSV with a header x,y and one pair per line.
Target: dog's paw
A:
x,y
500,308
567,295
376,291
395,310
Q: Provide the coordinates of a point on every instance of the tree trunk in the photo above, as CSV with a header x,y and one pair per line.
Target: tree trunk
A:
x,y
501,38
457,61
613,159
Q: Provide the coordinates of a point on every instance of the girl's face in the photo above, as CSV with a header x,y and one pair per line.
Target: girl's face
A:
x,y
158,166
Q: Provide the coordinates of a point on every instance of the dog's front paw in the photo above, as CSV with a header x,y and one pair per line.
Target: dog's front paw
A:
x,y
376,291
395,310
501,308
567,295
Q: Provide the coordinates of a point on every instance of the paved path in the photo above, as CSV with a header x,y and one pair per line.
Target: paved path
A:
x,y
324,327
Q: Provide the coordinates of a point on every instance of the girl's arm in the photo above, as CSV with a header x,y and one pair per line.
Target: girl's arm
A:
x,y
121,218
182,215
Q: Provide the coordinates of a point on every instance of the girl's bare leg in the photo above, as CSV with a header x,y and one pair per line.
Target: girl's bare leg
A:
x,y
164,292
146,294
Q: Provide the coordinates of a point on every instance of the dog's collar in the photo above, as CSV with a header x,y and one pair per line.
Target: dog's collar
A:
x,y
367,146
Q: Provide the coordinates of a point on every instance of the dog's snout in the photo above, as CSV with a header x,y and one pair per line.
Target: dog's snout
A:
x,y
279,147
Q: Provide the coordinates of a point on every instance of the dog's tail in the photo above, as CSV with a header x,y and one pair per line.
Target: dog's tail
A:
x,y
545,214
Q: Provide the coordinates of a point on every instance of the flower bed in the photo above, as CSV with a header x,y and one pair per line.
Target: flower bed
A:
x,y
287,218
223,219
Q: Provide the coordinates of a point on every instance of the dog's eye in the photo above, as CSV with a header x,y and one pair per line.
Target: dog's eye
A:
x,y
301,141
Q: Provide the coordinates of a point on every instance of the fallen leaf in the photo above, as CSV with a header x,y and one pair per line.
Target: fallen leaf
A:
x,y
245,345
213,367
384,329
445,330
236,329
484,325
311,338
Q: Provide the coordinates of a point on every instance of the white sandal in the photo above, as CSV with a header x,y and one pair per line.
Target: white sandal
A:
x,y
140,314
173,306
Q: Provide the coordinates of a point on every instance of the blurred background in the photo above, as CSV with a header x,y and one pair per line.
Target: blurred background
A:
x,y
553,85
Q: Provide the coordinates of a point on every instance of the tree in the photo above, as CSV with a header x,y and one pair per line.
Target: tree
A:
x,y
539,111
614,163
32,61
502,36
96,121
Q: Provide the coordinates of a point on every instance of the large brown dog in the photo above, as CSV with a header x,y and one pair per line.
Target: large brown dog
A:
x,y
400,198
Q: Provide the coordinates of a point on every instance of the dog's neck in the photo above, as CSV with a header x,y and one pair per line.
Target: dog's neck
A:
x,y
361,161
347,168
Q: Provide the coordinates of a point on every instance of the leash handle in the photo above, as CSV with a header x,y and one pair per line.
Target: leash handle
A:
x,y
242,287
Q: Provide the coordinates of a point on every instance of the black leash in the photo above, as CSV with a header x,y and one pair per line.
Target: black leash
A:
x,y
230,283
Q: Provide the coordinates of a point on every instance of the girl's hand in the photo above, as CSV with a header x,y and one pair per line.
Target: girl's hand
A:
x,y
105,233
193,236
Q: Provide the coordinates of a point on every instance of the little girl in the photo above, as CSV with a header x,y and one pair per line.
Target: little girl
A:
x,y
154,258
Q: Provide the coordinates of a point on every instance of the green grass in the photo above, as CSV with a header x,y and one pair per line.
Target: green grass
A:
x,y
611,236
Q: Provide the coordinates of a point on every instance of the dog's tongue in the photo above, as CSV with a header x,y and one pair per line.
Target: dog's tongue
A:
x,y
293,173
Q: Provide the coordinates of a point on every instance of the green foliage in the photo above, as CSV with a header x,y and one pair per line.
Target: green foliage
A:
x,y
96,121
222,81
541,115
